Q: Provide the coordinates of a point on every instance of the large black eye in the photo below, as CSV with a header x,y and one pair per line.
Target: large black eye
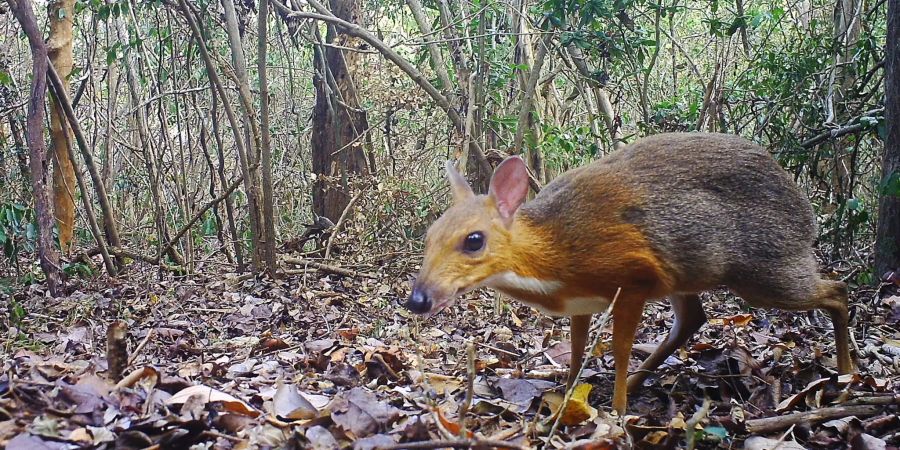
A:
x,y
474,242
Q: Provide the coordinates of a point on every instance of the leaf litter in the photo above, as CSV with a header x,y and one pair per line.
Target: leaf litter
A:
x,y
325,361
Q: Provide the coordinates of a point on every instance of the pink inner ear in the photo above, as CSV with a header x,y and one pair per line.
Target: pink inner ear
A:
x,y
509,185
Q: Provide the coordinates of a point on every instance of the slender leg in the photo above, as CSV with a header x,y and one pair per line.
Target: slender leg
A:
x,y
829,296
626,317
689,317
580,327
832,297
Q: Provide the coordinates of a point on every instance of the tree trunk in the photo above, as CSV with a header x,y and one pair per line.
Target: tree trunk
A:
x,y
61,98
847,27
251,127
887,247
35,138
340,127
220,172
59,47
216,83
143,131
268,202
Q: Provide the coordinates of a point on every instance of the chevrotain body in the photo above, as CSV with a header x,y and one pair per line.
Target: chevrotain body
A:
x,y
668,216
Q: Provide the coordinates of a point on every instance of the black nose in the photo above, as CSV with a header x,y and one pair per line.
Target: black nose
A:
x,y
418,302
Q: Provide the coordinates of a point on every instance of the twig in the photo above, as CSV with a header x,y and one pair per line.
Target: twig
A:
x,y
140,347
772,424
323,267
887,399
783,437
198,215
496,349
470,388
604,319
340,222
691,425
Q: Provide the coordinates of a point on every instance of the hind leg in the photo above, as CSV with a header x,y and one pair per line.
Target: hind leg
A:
x,y
826,295
832,298
689,317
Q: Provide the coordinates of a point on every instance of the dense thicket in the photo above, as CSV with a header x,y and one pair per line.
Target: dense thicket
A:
x,y
206,133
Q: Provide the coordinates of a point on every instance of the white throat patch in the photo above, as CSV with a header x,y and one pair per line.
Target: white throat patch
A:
x,y
573,306
511,280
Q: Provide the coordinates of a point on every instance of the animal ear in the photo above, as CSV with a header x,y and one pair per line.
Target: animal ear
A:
x,y
509,186
458,185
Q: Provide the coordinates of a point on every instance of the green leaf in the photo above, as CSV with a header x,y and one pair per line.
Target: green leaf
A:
x,y
78,269
5,78
31,231
739,22
17,313
209,225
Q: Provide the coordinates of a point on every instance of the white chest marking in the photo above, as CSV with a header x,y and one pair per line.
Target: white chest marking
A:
x,y
573,306
511,280
579,306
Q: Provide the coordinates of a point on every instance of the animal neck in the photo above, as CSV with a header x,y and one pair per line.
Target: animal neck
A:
x,y
532,252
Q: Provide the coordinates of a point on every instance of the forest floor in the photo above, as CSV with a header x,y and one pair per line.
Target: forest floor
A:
x,y
318,360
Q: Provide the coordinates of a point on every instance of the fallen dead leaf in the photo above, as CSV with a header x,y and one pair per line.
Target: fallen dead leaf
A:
x,y
578,409
210,395
289,404
359,412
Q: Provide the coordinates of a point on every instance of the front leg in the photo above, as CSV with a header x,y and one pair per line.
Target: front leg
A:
x,y
579,333
626,317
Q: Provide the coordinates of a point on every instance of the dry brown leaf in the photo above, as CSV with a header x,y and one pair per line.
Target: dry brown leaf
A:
x,y
289,404
443,384
137,375
452,427
360,413
209,395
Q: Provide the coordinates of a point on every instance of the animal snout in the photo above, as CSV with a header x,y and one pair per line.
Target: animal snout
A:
x,y
419,302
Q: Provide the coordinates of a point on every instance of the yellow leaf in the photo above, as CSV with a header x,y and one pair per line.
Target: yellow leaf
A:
x,y
656,437
577,411
740,320
602,348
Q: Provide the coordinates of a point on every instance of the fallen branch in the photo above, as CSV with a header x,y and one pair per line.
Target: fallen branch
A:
x,y
887,399
778,423
691,425
323,267
135,256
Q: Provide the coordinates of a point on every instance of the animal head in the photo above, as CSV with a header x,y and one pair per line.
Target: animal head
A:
x,y
471,241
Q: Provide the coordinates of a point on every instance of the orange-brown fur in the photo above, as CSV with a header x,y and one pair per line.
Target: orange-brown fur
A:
x,y
670,215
